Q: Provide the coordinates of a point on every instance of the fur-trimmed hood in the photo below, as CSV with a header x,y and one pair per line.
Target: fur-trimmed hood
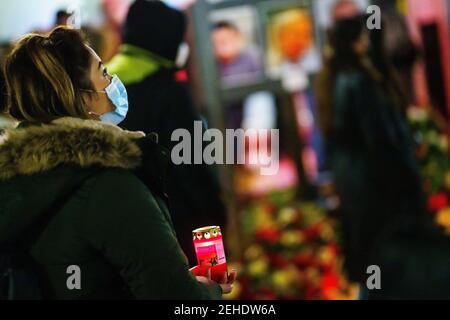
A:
x,y
39,148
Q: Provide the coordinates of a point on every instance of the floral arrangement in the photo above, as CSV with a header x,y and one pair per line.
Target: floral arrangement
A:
x,y
292,249
292,252
433,155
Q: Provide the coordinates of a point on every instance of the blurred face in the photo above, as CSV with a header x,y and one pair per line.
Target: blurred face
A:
x,y
99,103
295,38
345,9
227,44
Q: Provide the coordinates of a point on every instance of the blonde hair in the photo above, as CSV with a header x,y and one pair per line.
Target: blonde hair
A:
x,y
44,76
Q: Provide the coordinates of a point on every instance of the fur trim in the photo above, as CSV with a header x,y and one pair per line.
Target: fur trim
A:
x,y
24,151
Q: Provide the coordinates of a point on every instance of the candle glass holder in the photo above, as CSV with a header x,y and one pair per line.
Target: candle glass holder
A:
x,y
210,251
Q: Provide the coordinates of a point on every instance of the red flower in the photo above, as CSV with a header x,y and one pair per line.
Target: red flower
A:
x,y
326,268
265,294
334,248
330,281
313,232
245,289
277,261
437,202
329,285
271,208
312,292
303,260
268,235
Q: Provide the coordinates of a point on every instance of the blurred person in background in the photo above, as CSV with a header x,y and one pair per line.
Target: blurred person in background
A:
x,y
362,109
400,50
62,18
239,63
115,12
152,52
404,54
75,189
344,9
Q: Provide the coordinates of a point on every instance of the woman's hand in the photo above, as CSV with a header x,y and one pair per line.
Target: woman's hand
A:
x,y
226,283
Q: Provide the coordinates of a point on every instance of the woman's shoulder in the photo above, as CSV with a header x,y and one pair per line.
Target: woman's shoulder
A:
x,y
116,181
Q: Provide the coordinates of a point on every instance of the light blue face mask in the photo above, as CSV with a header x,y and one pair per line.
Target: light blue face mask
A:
x,y
117,93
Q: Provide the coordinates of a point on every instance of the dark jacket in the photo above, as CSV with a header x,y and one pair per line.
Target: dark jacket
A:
x,y
76,192
160,104
375,171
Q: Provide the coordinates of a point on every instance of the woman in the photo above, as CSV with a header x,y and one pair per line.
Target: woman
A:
x,y
69,181
371,153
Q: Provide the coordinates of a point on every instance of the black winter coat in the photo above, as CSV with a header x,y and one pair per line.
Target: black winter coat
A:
x,y
160,104
375,170
84,193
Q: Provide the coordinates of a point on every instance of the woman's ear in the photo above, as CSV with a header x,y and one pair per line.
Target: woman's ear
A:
x,y
89,103
86,97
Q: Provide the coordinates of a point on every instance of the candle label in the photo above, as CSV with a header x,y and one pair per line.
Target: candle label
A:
x,y
211,253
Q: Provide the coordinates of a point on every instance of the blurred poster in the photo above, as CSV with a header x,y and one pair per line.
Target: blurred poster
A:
x,y
291,51
235,46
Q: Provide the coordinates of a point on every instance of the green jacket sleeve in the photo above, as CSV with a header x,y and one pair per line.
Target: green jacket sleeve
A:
x,y
124,222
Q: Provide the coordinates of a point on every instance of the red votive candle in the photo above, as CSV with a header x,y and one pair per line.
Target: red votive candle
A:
x,y
210,252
